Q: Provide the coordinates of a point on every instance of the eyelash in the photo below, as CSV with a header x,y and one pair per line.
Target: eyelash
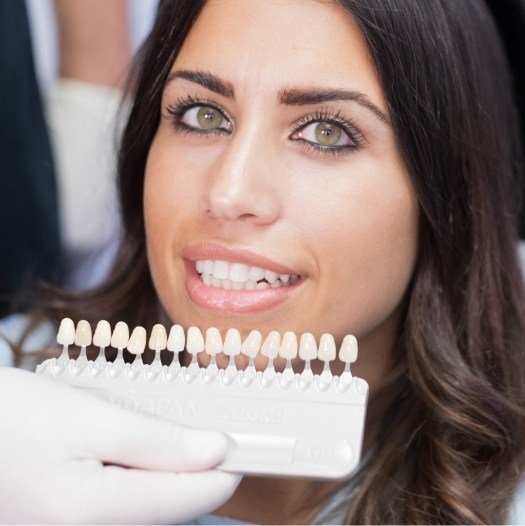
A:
x,y
182,105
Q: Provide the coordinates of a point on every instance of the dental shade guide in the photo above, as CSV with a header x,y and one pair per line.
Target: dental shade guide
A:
x,y
295,424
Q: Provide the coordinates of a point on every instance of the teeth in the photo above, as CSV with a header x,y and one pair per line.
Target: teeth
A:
x,y
307,347
348,350
284,277
176,339
157,340
102,335
262,285
220,269
288,348
195,341
137,341
66,332
216,282
213,341
326,348
252,344
270,347
256,273
239,272
120,336
271,276
232,343
83,334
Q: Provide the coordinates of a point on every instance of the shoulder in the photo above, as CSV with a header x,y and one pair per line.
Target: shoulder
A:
x,y
12,329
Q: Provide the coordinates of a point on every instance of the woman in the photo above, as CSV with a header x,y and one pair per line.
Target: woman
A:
x,y
369,148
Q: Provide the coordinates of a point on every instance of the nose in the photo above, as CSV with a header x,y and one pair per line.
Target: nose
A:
x,y
242,183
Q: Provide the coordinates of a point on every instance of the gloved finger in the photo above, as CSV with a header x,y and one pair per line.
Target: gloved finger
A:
x,y
152,497
118,436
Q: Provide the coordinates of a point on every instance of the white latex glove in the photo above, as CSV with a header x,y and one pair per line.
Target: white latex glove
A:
x,y
56,442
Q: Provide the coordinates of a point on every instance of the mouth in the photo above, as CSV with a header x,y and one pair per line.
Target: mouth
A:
x,y
232,287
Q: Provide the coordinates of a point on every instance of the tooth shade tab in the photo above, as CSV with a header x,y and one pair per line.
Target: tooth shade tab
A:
x,y
288,348
307,347
232,343
194,341
102,337
120,336
348,350
327,351
176,339
271,345
66,332
137,341
83,334
213,344
158,338
252,344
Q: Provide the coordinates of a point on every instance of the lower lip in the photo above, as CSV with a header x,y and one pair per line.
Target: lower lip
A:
x,y
234,301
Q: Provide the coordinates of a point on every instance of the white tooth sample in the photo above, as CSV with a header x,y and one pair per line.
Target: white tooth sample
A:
x,y
83,334
326,350
199,265
271,276
232,343
307,347
176,339
239,272
256,273
66,332
276,284
137,341
285,278
102,336
158,338
238,285
213,344
262,285
194,341
207,279
288,348
348,350
271,345
220,269
120,336
250,285
216,282
227,284
208,266
252,344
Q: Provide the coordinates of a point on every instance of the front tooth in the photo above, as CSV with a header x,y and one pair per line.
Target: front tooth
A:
x,y
239,272
270,347
137,341
213,341
285,278
120,336
326,348
252,344
83,334
256,273
194,341
207,266
307,347
288,348
216,282
66,332
207,279
237,285
220,269
158,338
102,335
348,350
227,284
176,339
232,343
271,276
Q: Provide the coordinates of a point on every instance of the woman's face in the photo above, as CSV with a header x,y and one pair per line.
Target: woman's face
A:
x,y
274,140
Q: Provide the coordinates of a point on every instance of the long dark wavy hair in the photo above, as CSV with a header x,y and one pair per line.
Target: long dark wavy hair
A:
x,y
449,442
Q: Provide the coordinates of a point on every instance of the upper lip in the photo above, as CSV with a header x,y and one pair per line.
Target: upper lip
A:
x,y
216,251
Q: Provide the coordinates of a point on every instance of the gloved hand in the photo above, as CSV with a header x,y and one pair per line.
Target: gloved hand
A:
x,y
69,457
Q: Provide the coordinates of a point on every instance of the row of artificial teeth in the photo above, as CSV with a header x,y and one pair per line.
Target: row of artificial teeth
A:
x,y
212,344
237,276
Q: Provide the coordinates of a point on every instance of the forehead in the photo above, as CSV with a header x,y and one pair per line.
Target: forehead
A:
x,y
268,44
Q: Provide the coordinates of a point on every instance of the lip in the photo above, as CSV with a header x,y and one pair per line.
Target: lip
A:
x,y
234,301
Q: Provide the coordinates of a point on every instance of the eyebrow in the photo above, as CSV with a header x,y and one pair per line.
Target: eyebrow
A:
x,y
287,96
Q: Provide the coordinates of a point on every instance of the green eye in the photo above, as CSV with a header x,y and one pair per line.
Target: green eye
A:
x,y
209,118
327,134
